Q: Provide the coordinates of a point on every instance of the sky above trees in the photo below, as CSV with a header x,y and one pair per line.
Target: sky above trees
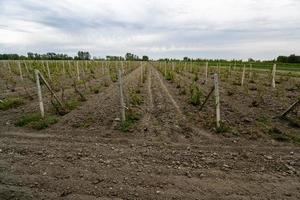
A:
x,y
261,29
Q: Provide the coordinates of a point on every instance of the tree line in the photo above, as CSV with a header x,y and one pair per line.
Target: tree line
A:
x,y
289,59
81,55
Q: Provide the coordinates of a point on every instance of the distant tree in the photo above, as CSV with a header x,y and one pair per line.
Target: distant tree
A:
x,y
83,55
145,58
186,59
131,56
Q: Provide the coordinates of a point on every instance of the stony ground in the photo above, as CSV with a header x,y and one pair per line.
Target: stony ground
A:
x,y
168,154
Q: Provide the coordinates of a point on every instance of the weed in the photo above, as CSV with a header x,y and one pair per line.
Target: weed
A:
x,y
131,118
11,103
35,121
223,128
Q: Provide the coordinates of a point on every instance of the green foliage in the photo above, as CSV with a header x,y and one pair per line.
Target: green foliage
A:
x,y
135,97
170,75
35,121
131,118
223,128
11,103
72,104
196,94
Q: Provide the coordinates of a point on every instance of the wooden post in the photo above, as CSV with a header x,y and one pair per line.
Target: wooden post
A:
x,y
20,70
78,73
48,70
243,75
27,71
123,116
206,72
273,76
290,108
165,68
49,88
39,90
217,99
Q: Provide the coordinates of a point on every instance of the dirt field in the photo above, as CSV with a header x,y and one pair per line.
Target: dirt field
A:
x,y
170,153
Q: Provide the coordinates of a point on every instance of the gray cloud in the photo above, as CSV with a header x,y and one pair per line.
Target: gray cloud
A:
x,y
215,28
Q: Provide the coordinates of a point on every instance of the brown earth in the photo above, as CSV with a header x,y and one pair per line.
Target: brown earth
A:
x,y
166,155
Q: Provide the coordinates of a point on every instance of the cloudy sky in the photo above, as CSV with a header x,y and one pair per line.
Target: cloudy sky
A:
x,y
260,29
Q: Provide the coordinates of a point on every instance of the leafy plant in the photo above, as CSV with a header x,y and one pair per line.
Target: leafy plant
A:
x,y
196,94
170,75
135,97
131,118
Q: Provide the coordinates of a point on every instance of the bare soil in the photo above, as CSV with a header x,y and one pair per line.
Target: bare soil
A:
x,y
168,154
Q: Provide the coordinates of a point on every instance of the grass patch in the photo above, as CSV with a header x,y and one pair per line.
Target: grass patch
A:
x,y
11,103
131,118
35,121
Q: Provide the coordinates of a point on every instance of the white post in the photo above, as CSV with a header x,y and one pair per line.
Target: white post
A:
x,y
64,69
9,68
78,75
243,75
250,74
48,70
206,72
39,93
102,67
142,73
123,116
27,71
20,70
217,99
273,76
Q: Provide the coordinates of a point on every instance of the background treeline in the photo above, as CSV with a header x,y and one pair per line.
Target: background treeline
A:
x,y
289,59
81,55
84,55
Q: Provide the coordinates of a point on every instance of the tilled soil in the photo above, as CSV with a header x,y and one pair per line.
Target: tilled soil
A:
x,y
167,155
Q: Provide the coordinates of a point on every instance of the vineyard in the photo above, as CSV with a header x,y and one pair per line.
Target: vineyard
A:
x,y
149,130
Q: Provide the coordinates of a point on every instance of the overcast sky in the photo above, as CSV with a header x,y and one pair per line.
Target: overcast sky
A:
x,y
260,29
